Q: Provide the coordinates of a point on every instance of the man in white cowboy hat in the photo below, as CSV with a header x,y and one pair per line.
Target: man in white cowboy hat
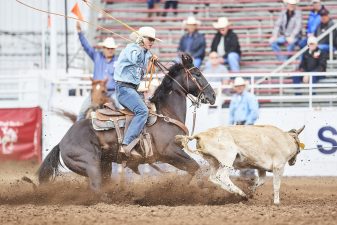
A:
x,y
287,29
193,42
130,69
313,60
104,66
226,44
243,110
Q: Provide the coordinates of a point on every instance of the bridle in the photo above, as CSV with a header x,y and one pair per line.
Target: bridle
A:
x,y
192,78
189,76
196,102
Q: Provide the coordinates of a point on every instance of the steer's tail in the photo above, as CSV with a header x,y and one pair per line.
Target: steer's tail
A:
x,y
182,141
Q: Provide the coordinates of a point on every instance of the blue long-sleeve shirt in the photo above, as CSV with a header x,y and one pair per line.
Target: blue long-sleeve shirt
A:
x,y
243,107
194,44
132,64
314,20
102,68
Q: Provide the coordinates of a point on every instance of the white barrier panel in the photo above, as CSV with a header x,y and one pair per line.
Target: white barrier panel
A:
x,y
320,131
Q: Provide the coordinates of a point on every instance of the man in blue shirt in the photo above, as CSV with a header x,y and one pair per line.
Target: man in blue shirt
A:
x,y
130,70
104,66
193,42
243,108
314,20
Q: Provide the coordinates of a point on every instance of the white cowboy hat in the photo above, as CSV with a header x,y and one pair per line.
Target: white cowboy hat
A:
x,y
108,43
239,81
292,2
144,32
221,23
312,40
191,20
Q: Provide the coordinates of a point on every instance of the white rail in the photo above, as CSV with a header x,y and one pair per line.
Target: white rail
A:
x,y
37,88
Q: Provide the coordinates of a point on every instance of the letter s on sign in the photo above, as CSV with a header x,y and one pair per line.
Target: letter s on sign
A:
x,y
323,138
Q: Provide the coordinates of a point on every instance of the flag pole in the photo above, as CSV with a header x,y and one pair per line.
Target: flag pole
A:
x,y
66,34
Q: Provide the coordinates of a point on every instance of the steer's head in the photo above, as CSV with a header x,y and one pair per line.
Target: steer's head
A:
x,y
294,134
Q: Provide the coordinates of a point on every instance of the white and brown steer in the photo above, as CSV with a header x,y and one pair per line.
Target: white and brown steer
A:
x,y
265,148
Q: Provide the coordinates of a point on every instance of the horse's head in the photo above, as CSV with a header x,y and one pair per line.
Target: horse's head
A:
x,y
194,82
99,92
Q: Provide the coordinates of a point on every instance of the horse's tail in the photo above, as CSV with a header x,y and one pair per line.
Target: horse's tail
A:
x,y
63,113
50,165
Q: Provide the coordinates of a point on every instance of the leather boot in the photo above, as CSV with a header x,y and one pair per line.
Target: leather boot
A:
x,y
130,152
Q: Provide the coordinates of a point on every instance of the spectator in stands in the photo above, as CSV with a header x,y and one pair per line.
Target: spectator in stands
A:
x,y
314,20
104,66
226,44
193,42
313,60
169,4
287,30
326,23
243,110
214,66
152,4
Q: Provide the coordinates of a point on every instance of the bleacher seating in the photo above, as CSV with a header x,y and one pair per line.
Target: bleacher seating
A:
x,y
252,21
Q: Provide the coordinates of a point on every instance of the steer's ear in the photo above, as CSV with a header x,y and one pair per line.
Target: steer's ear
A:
x,y
300,130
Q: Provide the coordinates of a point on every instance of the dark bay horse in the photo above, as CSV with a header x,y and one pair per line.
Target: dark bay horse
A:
x,y
90,153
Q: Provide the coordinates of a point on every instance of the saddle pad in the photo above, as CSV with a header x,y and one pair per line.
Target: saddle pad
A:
x,y
100,125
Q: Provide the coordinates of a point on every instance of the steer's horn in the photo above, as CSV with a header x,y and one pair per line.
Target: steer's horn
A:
x,y
300,130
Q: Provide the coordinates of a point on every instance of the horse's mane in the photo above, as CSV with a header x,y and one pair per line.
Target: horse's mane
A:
x,y
166,85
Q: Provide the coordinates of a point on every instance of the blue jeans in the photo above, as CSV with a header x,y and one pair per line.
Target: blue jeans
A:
x,y
298,79
280,42
87,103
233,60
197,62
325,47
130,98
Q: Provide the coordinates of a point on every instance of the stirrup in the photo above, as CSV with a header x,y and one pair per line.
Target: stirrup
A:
x,y
128,150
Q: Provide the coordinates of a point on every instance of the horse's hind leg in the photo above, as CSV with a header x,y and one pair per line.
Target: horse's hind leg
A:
x,y
106,168
86,163
95,178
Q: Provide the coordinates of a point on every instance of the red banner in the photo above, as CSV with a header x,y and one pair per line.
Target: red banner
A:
x,y
20,133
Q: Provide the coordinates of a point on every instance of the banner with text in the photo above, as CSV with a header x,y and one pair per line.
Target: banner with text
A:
x,y
20,133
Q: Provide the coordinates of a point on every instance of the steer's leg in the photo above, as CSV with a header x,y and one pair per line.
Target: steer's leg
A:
x,y
259,181
277,171
222,176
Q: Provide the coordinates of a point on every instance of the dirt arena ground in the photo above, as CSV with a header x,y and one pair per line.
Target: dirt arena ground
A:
x,y
164,200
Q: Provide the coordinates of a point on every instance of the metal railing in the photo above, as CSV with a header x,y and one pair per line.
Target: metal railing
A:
x,y
299,53
38,88
280,89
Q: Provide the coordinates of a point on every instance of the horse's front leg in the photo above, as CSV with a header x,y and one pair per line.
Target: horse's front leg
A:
x,y
176,157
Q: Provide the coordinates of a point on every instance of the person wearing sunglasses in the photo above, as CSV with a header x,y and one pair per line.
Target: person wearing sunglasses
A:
x,y
130,69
